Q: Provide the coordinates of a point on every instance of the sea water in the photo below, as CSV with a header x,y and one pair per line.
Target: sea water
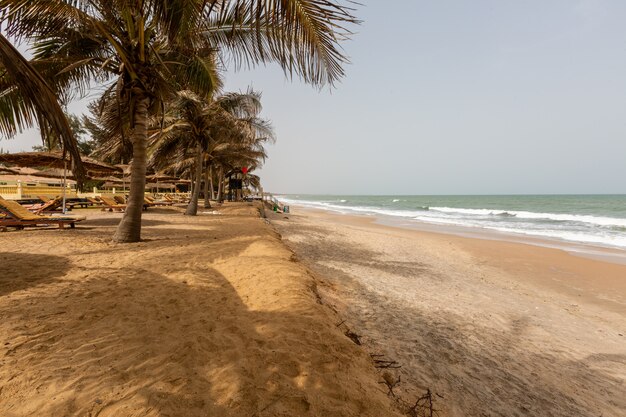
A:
x,y
587,219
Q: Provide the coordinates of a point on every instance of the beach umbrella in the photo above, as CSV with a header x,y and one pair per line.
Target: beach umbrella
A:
x,y
152,185
4,170
55,160
161,177
158,177
47,173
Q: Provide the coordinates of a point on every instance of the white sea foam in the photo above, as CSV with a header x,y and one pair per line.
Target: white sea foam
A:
x,y
599,221
349,209
570,227
582,237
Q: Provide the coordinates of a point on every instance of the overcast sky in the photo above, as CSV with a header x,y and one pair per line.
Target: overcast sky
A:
x,y
456,97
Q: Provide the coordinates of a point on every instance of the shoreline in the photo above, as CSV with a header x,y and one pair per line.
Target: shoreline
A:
x,y
475,320
580,267
589,251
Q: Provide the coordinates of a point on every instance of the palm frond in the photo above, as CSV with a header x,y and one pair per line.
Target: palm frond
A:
x,y
36,98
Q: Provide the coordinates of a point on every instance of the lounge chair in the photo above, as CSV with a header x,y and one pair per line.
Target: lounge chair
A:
x,y
78,202
119,199
176,199
94,201
50,205
154,202
111,205
13,214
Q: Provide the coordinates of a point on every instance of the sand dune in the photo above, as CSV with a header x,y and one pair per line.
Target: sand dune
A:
x,y
209,316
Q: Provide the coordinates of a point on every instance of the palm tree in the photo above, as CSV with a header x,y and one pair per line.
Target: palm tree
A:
x,y
201,128
148,49
29,98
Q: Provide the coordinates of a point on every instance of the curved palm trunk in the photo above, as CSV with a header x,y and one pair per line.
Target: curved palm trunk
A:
x,y
207,196
129,229
211,181
192,208
220,185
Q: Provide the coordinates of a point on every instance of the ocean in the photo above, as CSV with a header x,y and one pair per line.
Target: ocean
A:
x,y
588,219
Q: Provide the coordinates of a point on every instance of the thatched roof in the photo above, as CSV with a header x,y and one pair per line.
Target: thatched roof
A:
x,y
161,177
54,160
160,185
32,178
48,173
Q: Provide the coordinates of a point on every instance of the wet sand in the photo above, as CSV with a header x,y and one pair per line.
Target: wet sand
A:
x,y
493,328
209,316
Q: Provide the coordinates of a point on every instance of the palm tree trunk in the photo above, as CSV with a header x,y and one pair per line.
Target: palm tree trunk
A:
x,y
220,185
211,181
207,197
192,208
129,229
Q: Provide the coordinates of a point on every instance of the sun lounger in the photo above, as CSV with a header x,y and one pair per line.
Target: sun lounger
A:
x,y
176,200
153,202
111,205
78,202
94,201
13,214
119,199
50,205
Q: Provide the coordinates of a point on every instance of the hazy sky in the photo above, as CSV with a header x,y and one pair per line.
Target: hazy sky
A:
x,y
456,97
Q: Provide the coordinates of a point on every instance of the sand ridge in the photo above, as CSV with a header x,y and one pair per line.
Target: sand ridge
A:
x,y
210,315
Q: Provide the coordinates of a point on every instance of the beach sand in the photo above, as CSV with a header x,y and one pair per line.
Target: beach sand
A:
x,y
209,316
493,328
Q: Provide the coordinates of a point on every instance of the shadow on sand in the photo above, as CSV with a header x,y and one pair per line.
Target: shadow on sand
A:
x,y
19,271
118,336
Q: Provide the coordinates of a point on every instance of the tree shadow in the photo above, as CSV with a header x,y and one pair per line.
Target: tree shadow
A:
x,y
323,251
19,271
156,333
114,221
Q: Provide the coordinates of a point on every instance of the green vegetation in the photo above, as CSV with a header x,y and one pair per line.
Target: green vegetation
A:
x,y
141,54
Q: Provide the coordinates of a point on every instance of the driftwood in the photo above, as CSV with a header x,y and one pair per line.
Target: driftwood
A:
x,y
381,363
424,406
356,338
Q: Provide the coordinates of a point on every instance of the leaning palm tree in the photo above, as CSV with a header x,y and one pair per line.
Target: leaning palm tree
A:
x,y
148,49
28,99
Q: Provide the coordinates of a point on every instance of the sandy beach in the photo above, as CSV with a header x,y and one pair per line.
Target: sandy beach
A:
x,y
208,316
493,328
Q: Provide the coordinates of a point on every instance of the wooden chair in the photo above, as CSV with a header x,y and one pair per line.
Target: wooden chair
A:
x,y
119,199
13,214
111,205
150,200
50,205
